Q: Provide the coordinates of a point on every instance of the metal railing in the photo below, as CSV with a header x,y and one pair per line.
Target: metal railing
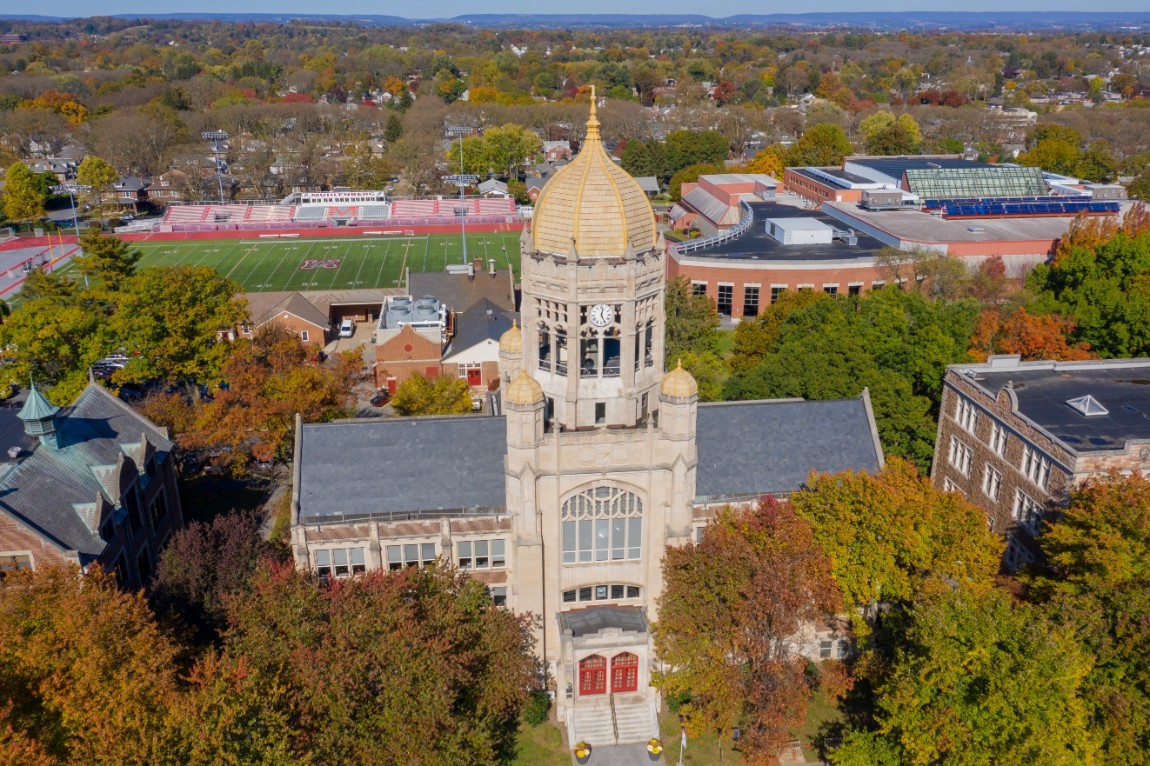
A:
x,y
724,236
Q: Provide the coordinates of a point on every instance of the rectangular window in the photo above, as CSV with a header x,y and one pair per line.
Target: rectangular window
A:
x,y
498,553
1035,466
998,440
831,289
750,300
358,560
960,456
339,562
394,557
776,291
854,289
991,482
323,563
617,591
877,284
584,594
427,553
499,595
569,546
463,558
726,298
950,486
303,335
568,596
600,592
410,555
600,413
482,560
1027,511
966,414
698,288
632,591
602,531
14,563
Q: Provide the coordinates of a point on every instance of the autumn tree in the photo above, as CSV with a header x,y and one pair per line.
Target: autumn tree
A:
x,y
98,174
822,144
979,679
1033,337
87,673
442,395
1097,584
337,663
169,320
21,197
206,563
731,607
887,534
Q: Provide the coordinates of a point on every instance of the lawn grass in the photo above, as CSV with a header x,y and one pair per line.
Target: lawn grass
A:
x,y
540,745
822,715
701,750
343,263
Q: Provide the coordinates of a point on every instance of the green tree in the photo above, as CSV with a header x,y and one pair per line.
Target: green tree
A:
x,y
393,128
730,604
888,534
822,144
980,680
442,395
21,196
508,147
1098,585
692,321
1139,188
689,174
691,147
169,320
645,158
107,259
1097,164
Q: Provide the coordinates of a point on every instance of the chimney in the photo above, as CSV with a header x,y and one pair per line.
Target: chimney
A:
x,y
491,267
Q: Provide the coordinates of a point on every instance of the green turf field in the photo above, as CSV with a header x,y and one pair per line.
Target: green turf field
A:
x,y
336,263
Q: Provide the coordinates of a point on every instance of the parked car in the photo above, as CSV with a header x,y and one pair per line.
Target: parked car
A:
x,y
347,328
381,397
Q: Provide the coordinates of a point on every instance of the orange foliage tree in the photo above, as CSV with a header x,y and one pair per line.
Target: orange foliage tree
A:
x,y
1031,336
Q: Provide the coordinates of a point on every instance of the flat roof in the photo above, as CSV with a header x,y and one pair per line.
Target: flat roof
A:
x,y
917,226
846,180
757,245
1043,390
740,178
807,223
896,166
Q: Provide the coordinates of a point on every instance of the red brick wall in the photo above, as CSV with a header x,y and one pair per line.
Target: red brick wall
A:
x,y
405,354
816,191
15,538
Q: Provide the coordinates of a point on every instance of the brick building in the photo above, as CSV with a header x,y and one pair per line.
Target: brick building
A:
x,y
294,313
1015,437
94,483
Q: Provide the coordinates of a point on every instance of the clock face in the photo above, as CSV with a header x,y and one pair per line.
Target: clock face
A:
x,y
601,315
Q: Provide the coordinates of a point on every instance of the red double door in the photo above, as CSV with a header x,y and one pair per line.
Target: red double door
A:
x,y
593,673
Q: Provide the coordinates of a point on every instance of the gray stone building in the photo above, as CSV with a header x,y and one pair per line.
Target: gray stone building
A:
x,y
564,504
1015,437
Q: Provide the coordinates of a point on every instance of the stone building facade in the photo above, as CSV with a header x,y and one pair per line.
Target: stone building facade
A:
x,y
564,504
1016,437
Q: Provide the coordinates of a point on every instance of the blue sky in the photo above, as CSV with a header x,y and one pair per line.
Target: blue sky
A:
x,y
715,8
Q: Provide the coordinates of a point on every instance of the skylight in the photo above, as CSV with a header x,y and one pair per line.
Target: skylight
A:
x,y
1088,406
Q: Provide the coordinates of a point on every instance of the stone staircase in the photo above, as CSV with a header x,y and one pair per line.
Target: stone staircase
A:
x,y
634,720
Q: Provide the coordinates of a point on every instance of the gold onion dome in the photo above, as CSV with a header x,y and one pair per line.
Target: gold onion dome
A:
x,y
524,390
679,383
511,342
593,205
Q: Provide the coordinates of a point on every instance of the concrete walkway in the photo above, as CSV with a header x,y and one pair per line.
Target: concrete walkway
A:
x,y
621,755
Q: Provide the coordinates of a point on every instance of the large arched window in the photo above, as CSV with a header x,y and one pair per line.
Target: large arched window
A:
x,y
602,524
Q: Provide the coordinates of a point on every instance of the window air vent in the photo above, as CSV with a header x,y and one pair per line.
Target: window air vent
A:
x,y
1088,406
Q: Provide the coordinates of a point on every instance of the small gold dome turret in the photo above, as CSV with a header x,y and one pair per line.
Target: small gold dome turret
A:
x,y
679,384
524,390
511,342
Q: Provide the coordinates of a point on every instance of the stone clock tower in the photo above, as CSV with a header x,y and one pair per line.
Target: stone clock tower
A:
x,y
601,460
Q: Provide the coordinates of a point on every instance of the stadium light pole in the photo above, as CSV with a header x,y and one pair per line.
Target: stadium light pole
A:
x,y
462,202
72,190
215,136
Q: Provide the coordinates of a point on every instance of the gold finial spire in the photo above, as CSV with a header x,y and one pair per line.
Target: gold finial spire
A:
x,y
593,120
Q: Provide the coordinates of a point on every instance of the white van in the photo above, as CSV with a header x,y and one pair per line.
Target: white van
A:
x,y
347,328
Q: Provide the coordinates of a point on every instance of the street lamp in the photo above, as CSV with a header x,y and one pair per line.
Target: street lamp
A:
x,y
215,136
462,180
72,190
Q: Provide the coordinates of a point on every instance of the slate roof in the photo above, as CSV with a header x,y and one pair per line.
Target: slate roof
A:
x,y
767,447
401,465
430,465
595,619
42,488
483,321
649,184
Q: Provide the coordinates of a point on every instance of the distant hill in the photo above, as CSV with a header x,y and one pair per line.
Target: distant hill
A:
x,y
879,21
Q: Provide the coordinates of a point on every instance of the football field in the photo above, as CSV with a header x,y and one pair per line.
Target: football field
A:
x,y
343,263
